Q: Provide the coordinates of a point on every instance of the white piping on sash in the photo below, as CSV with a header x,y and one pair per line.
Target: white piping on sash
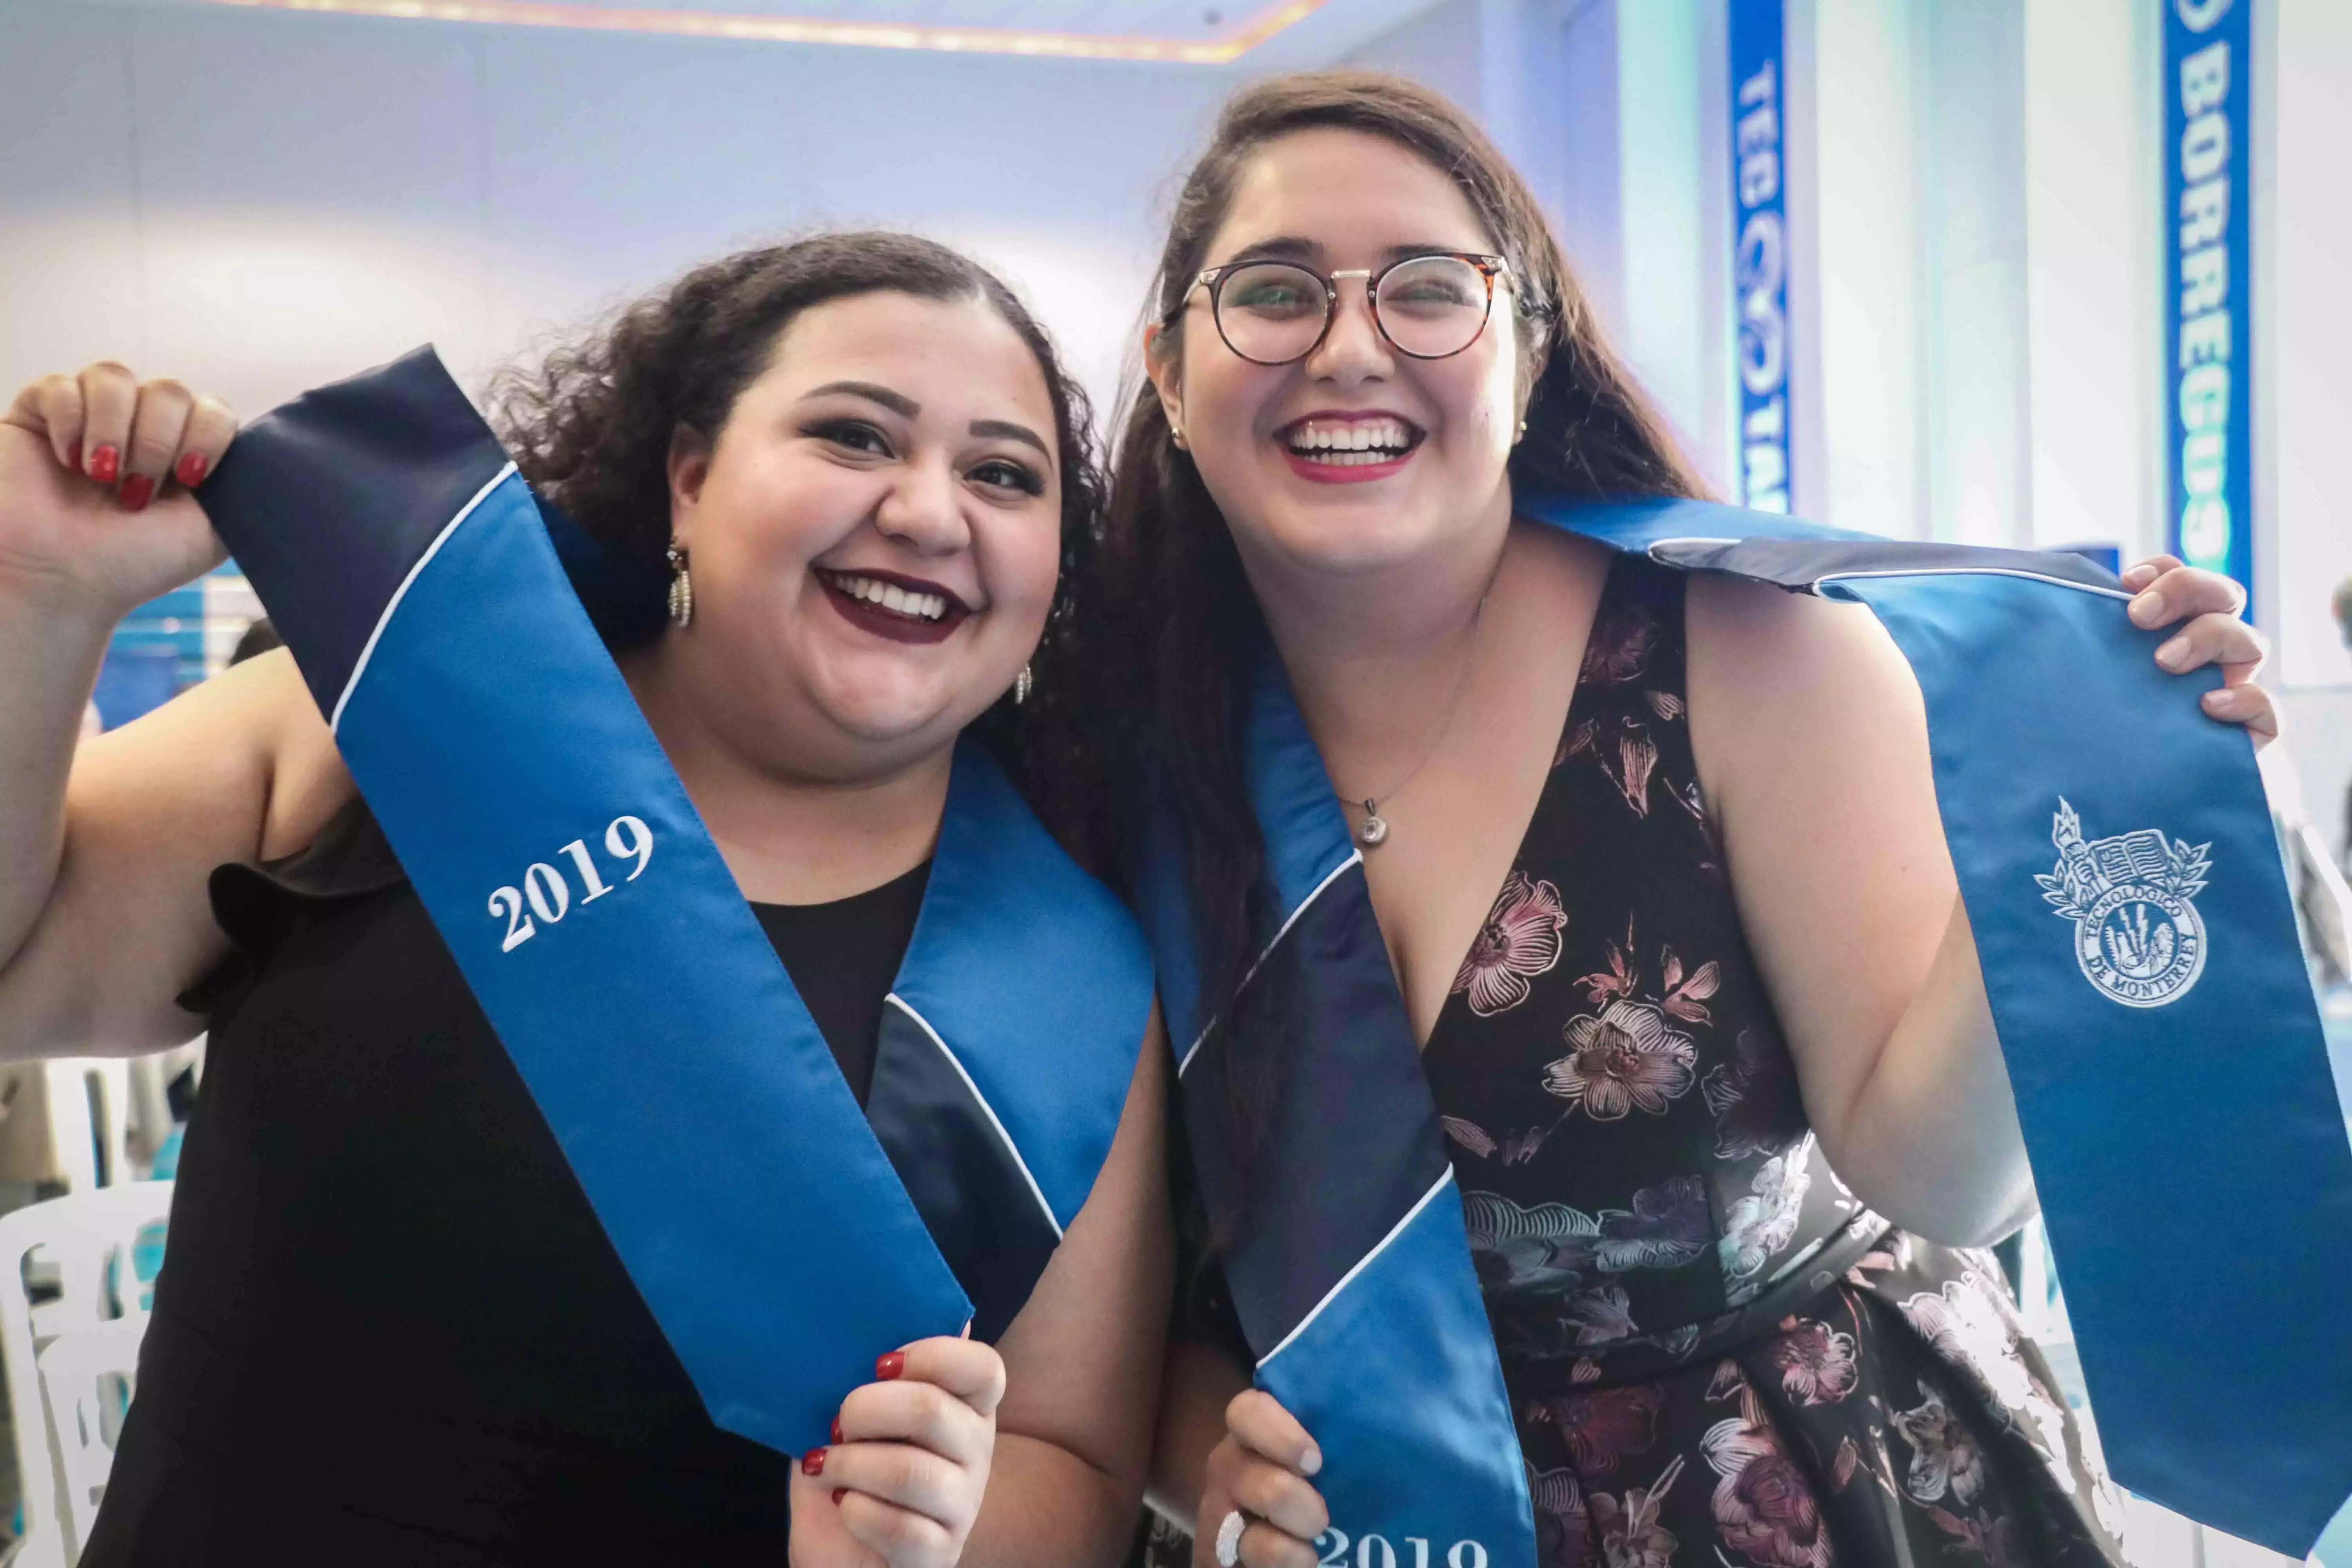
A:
x,y
1355,858
2099,589
1815,585
1362,1264
982,1101
335,719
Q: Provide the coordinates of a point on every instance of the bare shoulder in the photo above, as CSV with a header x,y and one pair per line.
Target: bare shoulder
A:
x,y
1775,676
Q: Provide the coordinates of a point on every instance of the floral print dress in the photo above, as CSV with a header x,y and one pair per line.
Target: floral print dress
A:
x,y
1716,1355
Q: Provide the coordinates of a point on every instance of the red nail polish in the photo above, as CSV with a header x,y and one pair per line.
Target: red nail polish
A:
x,y
190,469
106,465
837,1428
812,1462
137,492
838,1493
889,1366
73,457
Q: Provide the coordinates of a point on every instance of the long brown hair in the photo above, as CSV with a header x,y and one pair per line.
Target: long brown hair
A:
x,y
1172,625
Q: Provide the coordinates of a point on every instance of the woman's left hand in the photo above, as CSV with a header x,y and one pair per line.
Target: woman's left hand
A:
x,y
2205,605
902,1481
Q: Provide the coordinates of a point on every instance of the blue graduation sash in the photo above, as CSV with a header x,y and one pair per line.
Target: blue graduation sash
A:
x,y
2115,858
781,1237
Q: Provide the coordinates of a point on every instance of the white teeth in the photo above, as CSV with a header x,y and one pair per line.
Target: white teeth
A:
x,y
1350,443
891,597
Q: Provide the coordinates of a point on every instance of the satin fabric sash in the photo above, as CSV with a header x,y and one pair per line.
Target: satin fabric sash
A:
x,y
2115,858
781,1238
1352,1276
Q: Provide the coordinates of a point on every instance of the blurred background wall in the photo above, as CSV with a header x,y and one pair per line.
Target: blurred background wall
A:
x,y
258,199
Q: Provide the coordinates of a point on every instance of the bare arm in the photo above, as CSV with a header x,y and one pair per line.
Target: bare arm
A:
x,y
1199,1380
105,850
1031,1454
1812,739
1082,1361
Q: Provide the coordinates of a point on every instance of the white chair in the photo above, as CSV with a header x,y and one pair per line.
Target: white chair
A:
x,y
91,1244
90,1105
88,1376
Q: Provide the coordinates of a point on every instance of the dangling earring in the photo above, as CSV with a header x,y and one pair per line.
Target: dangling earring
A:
x,y
681,589
1022,685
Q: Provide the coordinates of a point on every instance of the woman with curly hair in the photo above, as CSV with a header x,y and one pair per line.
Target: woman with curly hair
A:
x,y
391,1330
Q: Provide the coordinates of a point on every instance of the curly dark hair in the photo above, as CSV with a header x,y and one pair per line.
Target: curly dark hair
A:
x,y
591,427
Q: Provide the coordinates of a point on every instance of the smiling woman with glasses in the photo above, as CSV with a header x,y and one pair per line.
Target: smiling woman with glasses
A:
x,y
1649,873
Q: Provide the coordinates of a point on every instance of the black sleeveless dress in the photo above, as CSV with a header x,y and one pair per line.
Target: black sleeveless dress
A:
x,y
389,1328
1716,1356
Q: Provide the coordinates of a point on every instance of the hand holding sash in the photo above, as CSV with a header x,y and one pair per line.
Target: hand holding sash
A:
x,y
901,1485
65,530
2205,606
1259,1470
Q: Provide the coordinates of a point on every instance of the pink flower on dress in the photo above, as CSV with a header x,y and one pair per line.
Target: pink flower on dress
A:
x,y
1686,995
1562,1538
1766,1513
1469,1134
1619,645
1623,978
1972,1326
1817,1363
1602,1315
1943,1459
1630,1535
1624,1059
1636,760
1520,939
1604,1425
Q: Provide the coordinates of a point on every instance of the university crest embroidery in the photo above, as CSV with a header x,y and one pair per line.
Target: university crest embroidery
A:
x,y
2137,935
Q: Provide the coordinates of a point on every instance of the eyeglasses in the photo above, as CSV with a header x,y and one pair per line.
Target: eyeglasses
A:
x,y
1277,312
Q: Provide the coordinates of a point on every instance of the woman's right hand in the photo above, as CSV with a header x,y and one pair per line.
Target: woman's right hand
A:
x,y
901,1485
1261,1469
82,460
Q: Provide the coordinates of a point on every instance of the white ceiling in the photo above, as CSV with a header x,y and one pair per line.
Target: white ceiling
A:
x,y
1278,34
1151,18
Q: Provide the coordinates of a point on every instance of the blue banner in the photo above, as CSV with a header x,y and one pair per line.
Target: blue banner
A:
x,y
2116,856
1355,1254
1760,259
2209,81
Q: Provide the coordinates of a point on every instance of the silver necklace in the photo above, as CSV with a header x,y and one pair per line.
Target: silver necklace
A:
x,y
1375,830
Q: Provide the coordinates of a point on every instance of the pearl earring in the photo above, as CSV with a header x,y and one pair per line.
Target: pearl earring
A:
x,y
681,589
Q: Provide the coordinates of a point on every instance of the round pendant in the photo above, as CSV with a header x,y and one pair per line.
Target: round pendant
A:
x,y
1374,830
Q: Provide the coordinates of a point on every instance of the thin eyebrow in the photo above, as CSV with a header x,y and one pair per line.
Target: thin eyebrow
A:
x,y
1291,247
1396,253
1281,248
897,402
1005,429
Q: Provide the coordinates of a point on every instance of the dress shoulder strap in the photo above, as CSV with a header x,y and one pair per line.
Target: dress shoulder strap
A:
x,y
255,905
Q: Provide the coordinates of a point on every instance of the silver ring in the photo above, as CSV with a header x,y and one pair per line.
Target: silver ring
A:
x,y
1229,1539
